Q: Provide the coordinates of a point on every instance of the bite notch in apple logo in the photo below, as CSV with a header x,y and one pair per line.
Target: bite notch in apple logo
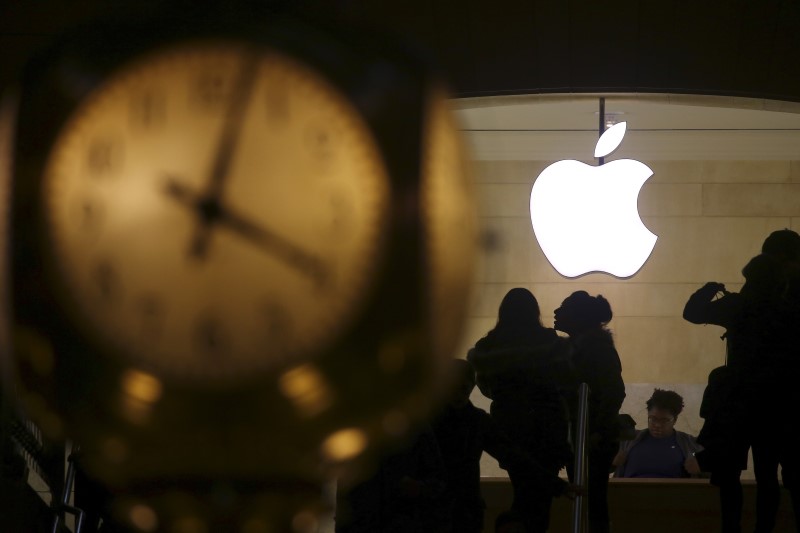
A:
x,y
586,218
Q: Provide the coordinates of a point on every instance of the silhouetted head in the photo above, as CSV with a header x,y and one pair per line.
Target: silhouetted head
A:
x,y
580,312
519,307
763,276
518,322
663,409
783,244
463,381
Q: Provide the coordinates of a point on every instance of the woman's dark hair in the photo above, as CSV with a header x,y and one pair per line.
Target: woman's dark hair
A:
x,y
518,320
588,311
519,308
666,399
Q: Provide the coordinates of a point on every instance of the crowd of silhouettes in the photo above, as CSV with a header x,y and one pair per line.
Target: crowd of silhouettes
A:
x,y
531,376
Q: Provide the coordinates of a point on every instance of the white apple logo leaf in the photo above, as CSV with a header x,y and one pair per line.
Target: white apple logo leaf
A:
x,y
610,139
586,218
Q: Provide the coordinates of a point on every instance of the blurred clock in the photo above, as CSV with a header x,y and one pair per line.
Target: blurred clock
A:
x,y
214,210
239,255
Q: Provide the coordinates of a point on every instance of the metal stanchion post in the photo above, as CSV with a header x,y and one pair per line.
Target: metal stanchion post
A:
x,y
64,505
580,456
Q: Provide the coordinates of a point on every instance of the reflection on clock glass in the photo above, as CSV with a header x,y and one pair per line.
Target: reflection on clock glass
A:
x,y
215,211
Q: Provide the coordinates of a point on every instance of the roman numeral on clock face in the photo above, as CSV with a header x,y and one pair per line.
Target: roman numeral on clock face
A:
x,y
148,110
104,156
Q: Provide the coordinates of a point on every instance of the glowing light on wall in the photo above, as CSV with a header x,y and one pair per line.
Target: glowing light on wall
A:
x,y
586,218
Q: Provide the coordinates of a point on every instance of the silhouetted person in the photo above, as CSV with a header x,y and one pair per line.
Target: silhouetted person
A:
x,y
596,361
524,369
777,437
403,496
464,432
741,404
659,451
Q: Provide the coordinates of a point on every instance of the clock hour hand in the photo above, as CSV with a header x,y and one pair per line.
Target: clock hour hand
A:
x,y
210,209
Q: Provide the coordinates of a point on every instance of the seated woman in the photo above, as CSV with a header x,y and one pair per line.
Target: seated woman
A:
x,y
659,451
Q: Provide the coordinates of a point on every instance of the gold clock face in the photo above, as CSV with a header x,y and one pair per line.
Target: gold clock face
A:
x,y
214,211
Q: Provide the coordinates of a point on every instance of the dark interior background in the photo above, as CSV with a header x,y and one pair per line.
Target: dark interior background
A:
x,y
726,47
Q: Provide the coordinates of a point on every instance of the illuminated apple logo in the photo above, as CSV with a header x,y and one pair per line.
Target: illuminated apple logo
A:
x,y
586,218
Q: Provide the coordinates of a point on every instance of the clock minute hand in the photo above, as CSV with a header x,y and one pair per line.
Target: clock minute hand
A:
x,y
288,252
232,126
208,208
